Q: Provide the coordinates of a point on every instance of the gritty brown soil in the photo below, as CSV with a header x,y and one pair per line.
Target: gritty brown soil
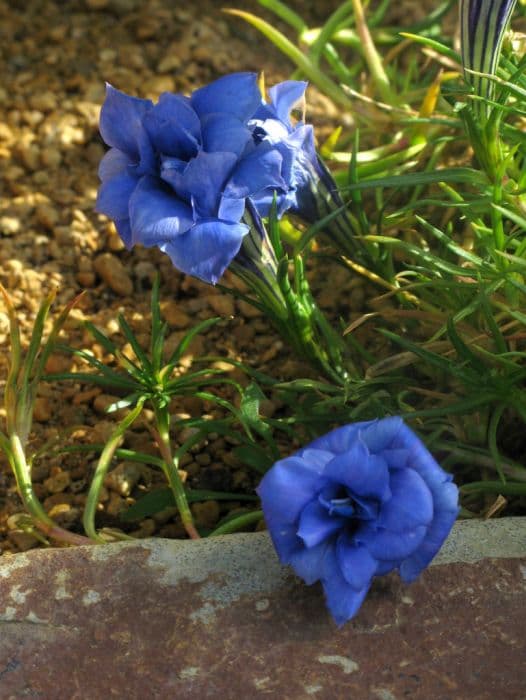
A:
x,y
55,58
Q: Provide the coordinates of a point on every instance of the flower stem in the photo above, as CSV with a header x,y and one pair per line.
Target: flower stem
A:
x,y
171,471
41,519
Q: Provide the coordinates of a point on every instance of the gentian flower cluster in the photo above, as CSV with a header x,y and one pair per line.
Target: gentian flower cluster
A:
x,y
179,173
359,502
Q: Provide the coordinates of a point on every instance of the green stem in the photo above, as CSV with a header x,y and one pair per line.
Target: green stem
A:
x,y
238,523
43,522
171,471
88,519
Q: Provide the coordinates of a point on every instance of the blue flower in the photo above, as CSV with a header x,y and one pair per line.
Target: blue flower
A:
x,y
312,194
302,169
356,503
179,172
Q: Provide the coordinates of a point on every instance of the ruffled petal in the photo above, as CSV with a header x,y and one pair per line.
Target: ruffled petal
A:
x,y
207,249
315,524
308,563
203,181
113,197
285,96
124,230
157,215
261,169
343,600
410,505
173,127
364,474
121,120
231,209
224,132
236,93
356,563
381,435
114,163
383,544
340,439
287,488
437,532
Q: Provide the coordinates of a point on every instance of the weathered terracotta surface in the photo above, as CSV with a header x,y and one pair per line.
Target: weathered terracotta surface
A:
x,y
223,620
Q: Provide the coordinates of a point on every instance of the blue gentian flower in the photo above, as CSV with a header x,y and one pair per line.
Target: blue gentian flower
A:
x,y
359,502
179,172
312,194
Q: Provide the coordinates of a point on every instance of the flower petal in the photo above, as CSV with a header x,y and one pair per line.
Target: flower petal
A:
x,y
380,435
316,524
308,562
113,163
383,544
437,532
113,197
343,600
261,169
157,215
224,132
340,439
410,505
356,563
207,249
173,126
203,181
364,474
287,488
121,120
124,230
285,96
236,93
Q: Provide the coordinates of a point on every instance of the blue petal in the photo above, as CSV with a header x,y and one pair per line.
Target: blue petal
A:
x,y
383,544
157,215
224,132
397,458
285,541
113,163
113,197
381,434
173,126
356,563
261,169
121,120
316,524
308,563
410,505
202,181
287,488
364,474
343,600
285,96
124,230
237,94
231,209
340,439
207,249
437,532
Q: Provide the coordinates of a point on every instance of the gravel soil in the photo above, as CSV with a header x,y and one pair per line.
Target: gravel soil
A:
x,y
55,58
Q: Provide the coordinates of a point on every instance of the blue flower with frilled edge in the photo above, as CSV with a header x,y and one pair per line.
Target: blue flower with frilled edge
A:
x,y
179,172
308,180
356,503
